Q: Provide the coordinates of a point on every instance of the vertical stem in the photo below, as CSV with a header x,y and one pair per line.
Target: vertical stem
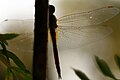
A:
x,y
40,40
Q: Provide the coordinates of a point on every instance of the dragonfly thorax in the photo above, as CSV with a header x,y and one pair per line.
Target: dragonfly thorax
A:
x,y
51,9
52,18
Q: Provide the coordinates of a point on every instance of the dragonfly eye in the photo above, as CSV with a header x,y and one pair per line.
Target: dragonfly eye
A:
x,y
51,9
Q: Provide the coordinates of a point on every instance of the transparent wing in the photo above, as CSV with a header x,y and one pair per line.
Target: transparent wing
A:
x,y
24,42
17,25
78,37
67,37
92,17
83,28
74,30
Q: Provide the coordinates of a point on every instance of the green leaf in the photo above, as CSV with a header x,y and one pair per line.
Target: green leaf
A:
x,y
3,59
4,37
5,42
104,68
117,60
9,75
80,74
24,73
16,60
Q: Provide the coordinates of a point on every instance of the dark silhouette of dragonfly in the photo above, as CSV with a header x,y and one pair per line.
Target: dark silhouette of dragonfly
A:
x,y
73,30
53,26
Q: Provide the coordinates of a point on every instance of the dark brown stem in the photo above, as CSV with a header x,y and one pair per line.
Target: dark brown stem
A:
x,y
40,40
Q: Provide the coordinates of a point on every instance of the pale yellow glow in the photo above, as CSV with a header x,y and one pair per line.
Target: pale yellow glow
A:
x,y
49,36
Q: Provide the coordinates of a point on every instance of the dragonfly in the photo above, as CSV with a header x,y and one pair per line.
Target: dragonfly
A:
x,y
74,30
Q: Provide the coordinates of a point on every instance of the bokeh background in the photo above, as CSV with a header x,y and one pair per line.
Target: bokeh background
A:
x,y
80,58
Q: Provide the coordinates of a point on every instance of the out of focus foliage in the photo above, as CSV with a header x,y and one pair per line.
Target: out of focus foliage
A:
x,y
13,72
102,66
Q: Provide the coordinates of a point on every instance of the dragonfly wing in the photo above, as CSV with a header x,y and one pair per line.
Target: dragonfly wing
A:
x,y
17,26
24,42
92,17
73,38
73,28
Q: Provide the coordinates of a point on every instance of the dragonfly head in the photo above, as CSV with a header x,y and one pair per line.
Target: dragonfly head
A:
x,y
51,9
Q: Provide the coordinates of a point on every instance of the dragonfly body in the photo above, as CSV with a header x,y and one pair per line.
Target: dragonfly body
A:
x,y
53,26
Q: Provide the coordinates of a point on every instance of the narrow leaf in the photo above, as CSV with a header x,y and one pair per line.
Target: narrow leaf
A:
x,y
25,74
104,68
117,60
5,42
4,37
80,74
9,75
3,59
16,60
